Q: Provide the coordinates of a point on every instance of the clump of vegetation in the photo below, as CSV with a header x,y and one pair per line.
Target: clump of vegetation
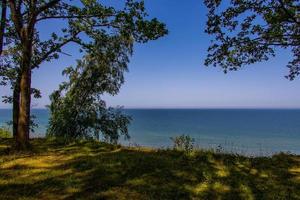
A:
x,y
183,143
5,133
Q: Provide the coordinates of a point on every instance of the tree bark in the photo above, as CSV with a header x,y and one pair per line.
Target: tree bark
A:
x,y
16,104
2,24
25,30
22,136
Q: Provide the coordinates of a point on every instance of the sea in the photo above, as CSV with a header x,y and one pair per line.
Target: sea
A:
x,y
252,132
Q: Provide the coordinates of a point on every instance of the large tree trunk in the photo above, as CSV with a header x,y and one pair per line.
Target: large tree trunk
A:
x,y
16,104
25,29
22,137
2,24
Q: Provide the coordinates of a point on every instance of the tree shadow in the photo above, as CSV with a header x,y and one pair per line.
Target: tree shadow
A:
x,y
100,171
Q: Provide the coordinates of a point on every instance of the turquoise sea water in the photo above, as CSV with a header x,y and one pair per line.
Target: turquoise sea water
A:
x,y
246,131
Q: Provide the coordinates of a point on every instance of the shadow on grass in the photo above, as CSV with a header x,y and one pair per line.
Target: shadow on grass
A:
x,y
92,170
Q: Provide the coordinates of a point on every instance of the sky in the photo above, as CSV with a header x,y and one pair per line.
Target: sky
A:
x,y
170,72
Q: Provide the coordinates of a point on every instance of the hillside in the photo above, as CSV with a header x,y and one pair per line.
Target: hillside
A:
x,y
94,170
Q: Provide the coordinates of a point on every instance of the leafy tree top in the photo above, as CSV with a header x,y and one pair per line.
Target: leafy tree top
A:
x,y
249,31
87,23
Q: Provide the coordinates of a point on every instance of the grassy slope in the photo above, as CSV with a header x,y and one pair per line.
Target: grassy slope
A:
x,y
93,170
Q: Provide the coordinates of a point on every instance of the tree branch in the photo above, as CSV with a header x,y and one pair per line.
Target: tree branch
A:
x,y
47,6
72,17
31,18
53,50
16,16
288,12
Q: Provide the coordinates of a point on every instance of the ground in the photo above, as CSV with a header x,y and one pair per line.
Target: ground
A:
x,y
94,170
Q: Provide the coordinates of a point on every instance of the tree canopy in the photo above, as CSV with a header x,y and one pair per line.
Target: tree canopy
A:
x,y
249,31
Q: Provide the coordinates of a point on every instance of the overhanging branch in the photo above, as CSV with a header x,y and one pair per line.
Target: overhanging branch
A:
x,y
72,17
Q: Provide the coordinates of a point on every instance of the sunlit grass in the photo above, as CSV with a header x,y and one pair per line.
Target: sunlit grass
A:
x,y
94,170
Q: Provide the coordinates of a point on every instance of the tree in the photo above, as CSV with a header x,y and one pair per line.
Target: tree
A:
x,y
77,110
250,31
87,23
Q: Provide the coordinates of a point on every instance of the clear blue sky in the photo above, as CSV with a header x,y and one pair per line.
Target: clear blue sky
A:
x,y
169,72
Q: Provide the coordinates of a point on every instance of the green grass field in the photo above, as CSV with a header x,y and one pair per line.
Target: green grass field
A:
x,y
94,170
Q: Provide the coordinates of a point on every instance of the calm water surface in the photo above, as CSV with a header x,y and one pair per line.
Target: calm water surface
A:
x,y
246,131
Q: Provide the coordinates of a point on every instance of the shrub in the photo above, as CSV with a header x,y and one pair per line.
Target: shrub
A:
x,y
183,143
5,133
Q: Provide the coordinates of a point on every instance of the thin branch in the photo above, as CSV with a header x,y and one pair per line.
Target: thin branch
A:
x,y
47,6
67,54
72,17
54,49
260,41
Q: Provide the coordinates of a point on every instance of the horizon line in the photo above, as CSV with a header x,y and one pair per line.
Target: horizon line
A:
x,y
181,108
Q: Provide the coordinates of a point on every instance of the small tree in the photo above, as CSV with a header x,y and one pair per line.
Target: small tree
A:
x,y
86,23
77,110
249,31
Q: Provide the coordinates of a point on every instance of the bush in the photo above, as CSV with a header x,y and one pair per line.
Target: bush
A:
x,y
183,143
5,133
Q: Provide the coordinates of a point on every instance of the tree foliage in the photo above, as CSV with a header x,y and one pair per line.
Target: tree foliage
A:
x,y
77,110
250,31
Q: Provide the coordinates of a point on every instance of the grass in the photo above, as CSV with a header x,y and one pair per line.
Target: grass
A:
x,y
94,170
